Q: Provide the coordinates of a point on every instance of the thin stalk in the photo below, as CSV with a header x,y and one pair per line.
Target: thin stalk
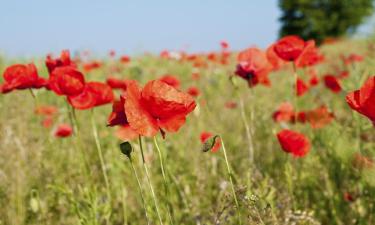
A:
x,y
32,93
248,131
166,183
100,153
140,189
295,100
78,146
149,181
289,179
231,180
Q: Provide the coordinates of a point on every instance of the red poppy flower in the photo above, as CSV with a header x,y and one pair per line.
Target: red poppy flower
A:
x,y
253,66
309,56
170,80
301,117
115,83
320,117
332,83
293,142
66,81
212,56
87,67
112,53
64,60
302,88
63,130
344,74
5,88
352,58
284,113
205,136
125,59
47,122
102,92
46,110
94,94
273,58
156,106
40,83
224,44
348,197
289,48
362,100
314,81
20,76
193,91
230,105
195,76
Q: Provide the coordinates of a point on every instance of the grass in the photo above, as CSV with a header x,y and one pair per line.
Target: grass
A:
x,y
46,180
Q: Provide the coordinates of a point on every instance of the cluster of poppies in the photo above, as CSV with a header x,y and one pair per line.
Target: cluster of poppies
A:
x,y
254,66
158,106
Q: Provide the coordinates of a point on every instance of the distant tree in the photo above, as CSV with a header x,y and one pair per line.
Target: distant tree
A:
x,y
319,19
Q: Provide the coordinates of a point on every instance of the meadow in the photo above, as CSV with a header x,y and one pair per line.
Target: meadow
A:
x,y
81,175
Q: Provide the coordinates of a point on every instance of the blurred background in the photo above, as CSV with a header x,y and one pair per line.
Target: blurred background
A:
x,y
35,28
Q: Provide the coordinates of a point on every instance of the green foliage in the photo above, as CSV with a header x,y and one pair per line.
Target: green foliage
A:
x,y
319,19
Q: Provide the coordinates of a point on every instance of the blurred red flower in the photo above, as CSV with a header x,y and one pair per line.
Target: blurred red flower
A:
x,y
332,83
253,66
124,59
273,58
284,113
63,130
64,60
205,136
224,44
309,56
293,142
46,110
195,76
193,91
20,76
171,80
348,197
230,105
363,100
352,58
116,83
302,88
87,67
289,48
319,117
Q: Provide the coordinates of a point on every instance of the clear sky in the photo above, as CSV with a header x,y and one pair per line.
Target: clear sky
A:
x,y
37,27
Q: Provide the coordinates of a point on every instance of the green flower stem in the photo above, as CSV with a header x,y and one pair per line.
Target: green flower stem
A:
x,y
100,153
149,181
166,183
140,189
231,180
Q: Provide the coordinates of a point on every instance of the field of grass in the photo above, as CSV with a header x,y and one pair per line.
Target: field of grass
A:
x,y
50,180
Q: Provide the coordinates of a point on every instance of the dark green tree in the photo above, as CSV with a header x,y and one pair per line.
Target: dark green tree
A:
x,y
319,19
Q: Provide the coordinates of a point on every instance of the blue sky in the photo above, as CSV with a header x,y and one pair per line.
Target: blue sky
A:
x,y
37,27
